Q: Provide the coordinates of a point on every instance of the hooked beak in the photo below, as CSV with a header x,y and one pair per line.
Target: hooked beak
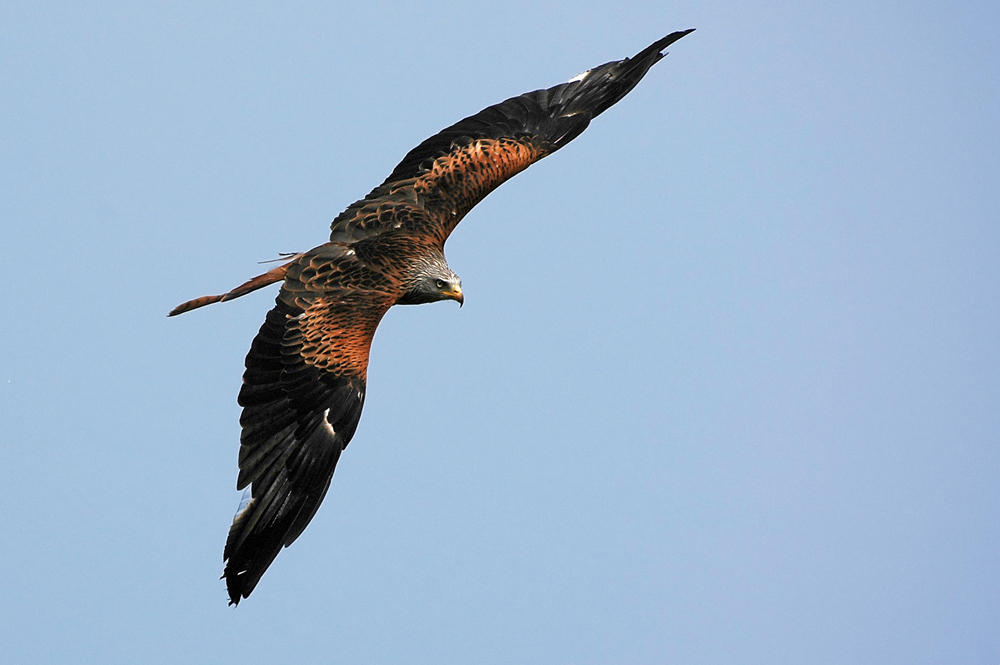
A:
x,y
455,293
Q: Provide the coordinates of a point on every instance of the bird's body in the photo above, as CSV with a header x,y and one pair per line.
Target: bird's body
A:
x,y
305,380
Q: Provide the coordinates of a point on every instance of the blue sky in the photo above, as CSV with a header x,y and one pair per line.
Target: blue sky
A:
x,y
724,388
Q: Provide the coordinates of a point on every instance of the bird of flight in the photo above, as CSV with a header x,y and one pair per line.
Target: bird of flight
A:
x,y
305,377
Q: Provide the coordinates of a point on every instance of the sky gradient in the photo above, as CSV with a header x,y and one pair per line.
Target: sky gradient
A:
x,y
724,389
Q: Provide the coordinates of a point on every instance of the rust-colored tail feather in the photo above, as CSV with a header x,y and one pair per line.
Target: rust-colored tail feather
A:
x,y
258,282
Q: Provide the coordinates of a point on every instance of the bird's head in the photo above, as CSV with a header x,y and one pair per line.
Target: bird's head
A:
x,y
433,280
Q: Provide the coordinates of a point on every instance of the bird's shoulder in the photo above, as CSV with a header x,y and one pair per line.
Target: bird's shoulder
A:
x,y
337,269
387,209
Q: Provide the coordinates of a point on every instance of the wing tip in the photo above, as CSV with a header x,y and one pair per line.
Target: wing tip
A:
x,y
235,587
674,36
658,46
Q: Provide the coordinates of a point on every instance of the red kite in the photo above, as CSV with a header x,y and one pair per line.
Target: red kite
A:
x,y
305,377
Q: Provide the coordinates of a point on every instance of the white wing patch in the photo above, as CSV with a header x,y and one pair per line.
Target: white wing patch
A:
x,y
326,422
579,77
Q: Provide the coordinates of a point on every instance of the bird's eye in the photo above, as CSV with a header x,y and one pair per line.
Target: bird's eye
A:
x,y
440,283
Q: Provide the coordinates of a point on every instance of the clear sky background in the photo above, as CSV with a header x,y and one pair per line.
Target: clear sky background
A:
x,y
725,389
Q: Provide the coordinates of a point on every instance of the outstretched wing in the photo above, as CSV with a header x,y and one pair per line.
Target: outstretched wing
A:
x,y
455,169
302,395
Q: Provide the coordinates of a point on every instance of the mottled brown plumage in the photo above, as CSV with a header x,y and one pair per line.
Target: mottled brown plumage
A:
x,y
305,379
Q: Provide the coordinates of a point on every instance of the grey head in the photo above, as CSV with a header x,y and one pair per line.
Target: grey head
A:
x,y
431,280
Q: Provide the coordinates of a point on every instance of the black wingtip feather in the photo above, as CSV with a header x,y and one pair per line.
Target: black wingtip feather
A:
x,y
669,39
604,86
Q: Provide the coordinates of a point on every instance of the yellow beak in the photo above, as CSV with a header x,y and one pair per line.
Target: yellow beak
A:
x,y
455,293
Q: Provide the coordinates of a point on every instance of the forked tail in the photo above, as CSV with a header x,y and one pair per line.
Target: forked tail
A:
x,y
258,282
